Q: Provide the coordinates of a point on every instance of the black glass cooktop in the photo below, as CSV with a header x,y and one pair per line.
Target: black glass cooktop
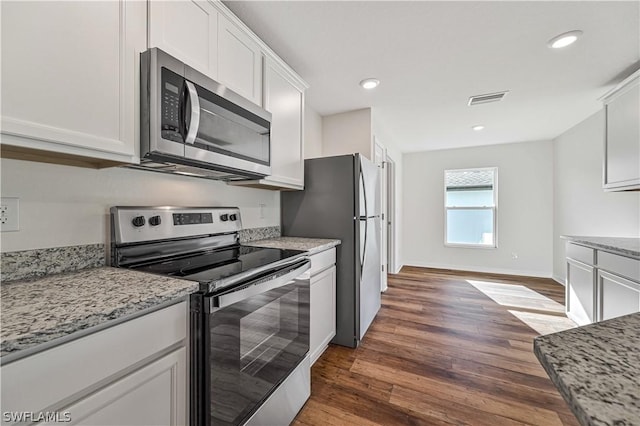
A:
x,y
218,264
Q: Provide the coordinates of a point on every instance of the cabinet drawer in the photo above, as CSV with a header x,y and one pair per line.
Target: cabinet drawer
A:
x,y
581,253
322,260
620,265
59,375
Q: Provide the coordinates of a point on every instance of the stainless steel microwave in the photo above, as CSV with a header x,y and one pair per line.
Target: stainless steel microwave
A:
x,y
192,125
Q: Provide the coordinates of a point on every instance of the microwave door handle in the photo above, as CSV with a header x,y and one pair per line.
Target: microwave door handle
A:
x,y
194,123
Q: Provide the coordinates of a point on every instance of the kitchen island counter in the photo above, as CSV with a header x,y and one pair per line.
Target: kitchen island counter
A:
x,y
39,313
596,368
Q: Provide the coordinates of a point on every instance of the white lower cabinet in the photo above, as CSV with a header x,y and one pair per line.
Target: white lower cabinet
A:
x,y
153,395
134,373
580,294
600,285
618,296
323,312
322,283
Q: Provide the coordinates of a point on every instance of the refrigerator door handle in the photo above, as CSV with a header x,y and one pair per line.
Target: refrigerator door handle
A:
x,y
363,251
363,188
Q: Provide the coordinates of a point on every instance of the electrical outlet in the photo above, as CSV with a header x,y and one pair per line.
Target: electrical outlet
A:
x,y
514,256
9,214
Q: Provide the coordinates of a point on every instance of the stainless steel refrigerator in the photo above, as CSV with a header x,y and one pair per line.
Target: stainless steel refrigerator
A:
x,y
341,200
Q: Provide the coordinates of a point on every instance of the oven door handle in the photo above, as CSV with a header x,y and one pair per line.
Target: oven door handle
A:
x,y
253,289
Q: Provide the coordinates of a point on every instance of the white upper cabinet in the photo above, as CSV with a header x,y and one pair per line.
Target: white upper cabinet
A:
x,y
622,139
284,99
70,80
240,61
187,30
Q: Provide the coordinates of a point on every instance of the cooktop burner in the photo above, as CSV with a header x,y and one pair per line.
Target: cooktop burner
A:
x,y
217,264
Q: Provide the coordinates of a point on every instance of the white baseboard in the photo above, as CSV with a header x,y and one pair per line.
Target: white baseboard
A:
x,y
518,272
559,280
397,271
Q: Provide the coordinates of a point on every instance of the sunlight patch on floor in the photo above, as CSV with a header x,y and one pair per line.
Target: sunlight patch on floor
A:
x,y
517,296
539,312
544,323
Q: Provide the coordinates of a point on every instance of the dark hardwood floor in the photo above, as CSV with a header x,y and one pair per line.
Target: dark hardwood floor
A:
x,y
446,348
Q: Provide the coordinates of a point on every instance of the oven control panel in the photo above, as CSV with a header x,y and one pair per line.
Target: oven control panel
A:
x,y
140,224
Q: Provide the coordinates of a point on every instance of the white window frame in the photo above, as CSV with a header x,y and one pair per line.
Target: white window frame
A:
x,y
494,208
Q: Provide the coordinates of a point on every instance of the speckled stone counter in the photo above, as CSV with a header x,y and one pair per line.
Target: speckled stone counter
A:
x,y
311,245
26,264
39,311
596,368
629,247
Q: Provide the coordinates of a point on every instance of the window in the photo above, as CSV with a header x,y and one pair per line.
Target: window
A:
x,y
470,207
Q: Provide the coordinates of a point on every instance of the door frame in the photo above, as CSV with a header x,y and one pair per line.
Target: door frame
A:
x,y
380,159
390,218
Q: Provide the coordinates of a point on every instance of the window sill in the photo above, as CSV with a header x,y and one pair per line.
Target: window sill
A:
x,y
472,246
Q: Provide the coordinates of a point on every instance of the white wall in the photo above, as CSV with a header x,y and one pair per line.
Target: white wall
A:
x,y
347,132
525,209
63,205
312,133
581,206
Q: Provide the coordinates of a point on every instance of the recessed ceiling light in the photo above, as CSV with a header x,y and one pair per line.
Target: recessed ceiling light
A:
x,y
478,127
370,83
564,39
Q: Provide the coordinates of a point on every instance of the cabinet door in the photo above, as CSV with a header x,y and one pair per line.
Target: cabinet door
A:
x,y
153,395
580,292
617,296
70,76
239,61
187,30
285,101
322,312
622,147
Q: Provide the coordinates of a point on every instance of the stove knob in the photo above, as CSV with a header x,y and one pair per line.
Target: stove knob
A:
x,y
224,217
138,221
233,217
155,220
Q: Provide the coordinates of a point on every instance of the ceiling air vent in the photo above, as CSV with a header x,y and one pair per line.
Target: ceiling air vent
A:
x,y
486,98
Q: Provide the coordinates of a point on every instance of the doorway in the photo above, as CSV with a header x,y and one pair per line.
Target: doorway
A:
x,y
388,195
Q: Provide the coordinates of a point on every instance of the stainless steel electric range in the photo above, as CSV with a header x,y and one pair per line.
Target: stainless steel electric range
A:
x,y
249,321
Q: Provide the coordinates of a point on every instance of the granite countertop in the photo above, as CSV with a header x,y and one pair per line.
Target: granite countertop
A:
x,y
39,311
311,245
596,368
629,247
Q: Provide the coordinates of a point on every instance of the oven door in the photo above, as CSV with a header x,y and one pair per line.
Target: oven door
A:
x,y
254,337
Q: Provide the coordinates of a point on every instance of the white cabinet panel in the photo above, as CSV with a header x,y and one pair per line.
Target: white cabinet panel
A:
x,y
285,102
622,146
197,46
617,296
284,99
239,61
322,312
70,76
154,395
57,377
580,292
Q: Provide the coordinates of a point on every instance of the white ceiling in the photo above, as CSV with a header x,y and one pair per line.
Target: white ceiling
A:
x,y
431,56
